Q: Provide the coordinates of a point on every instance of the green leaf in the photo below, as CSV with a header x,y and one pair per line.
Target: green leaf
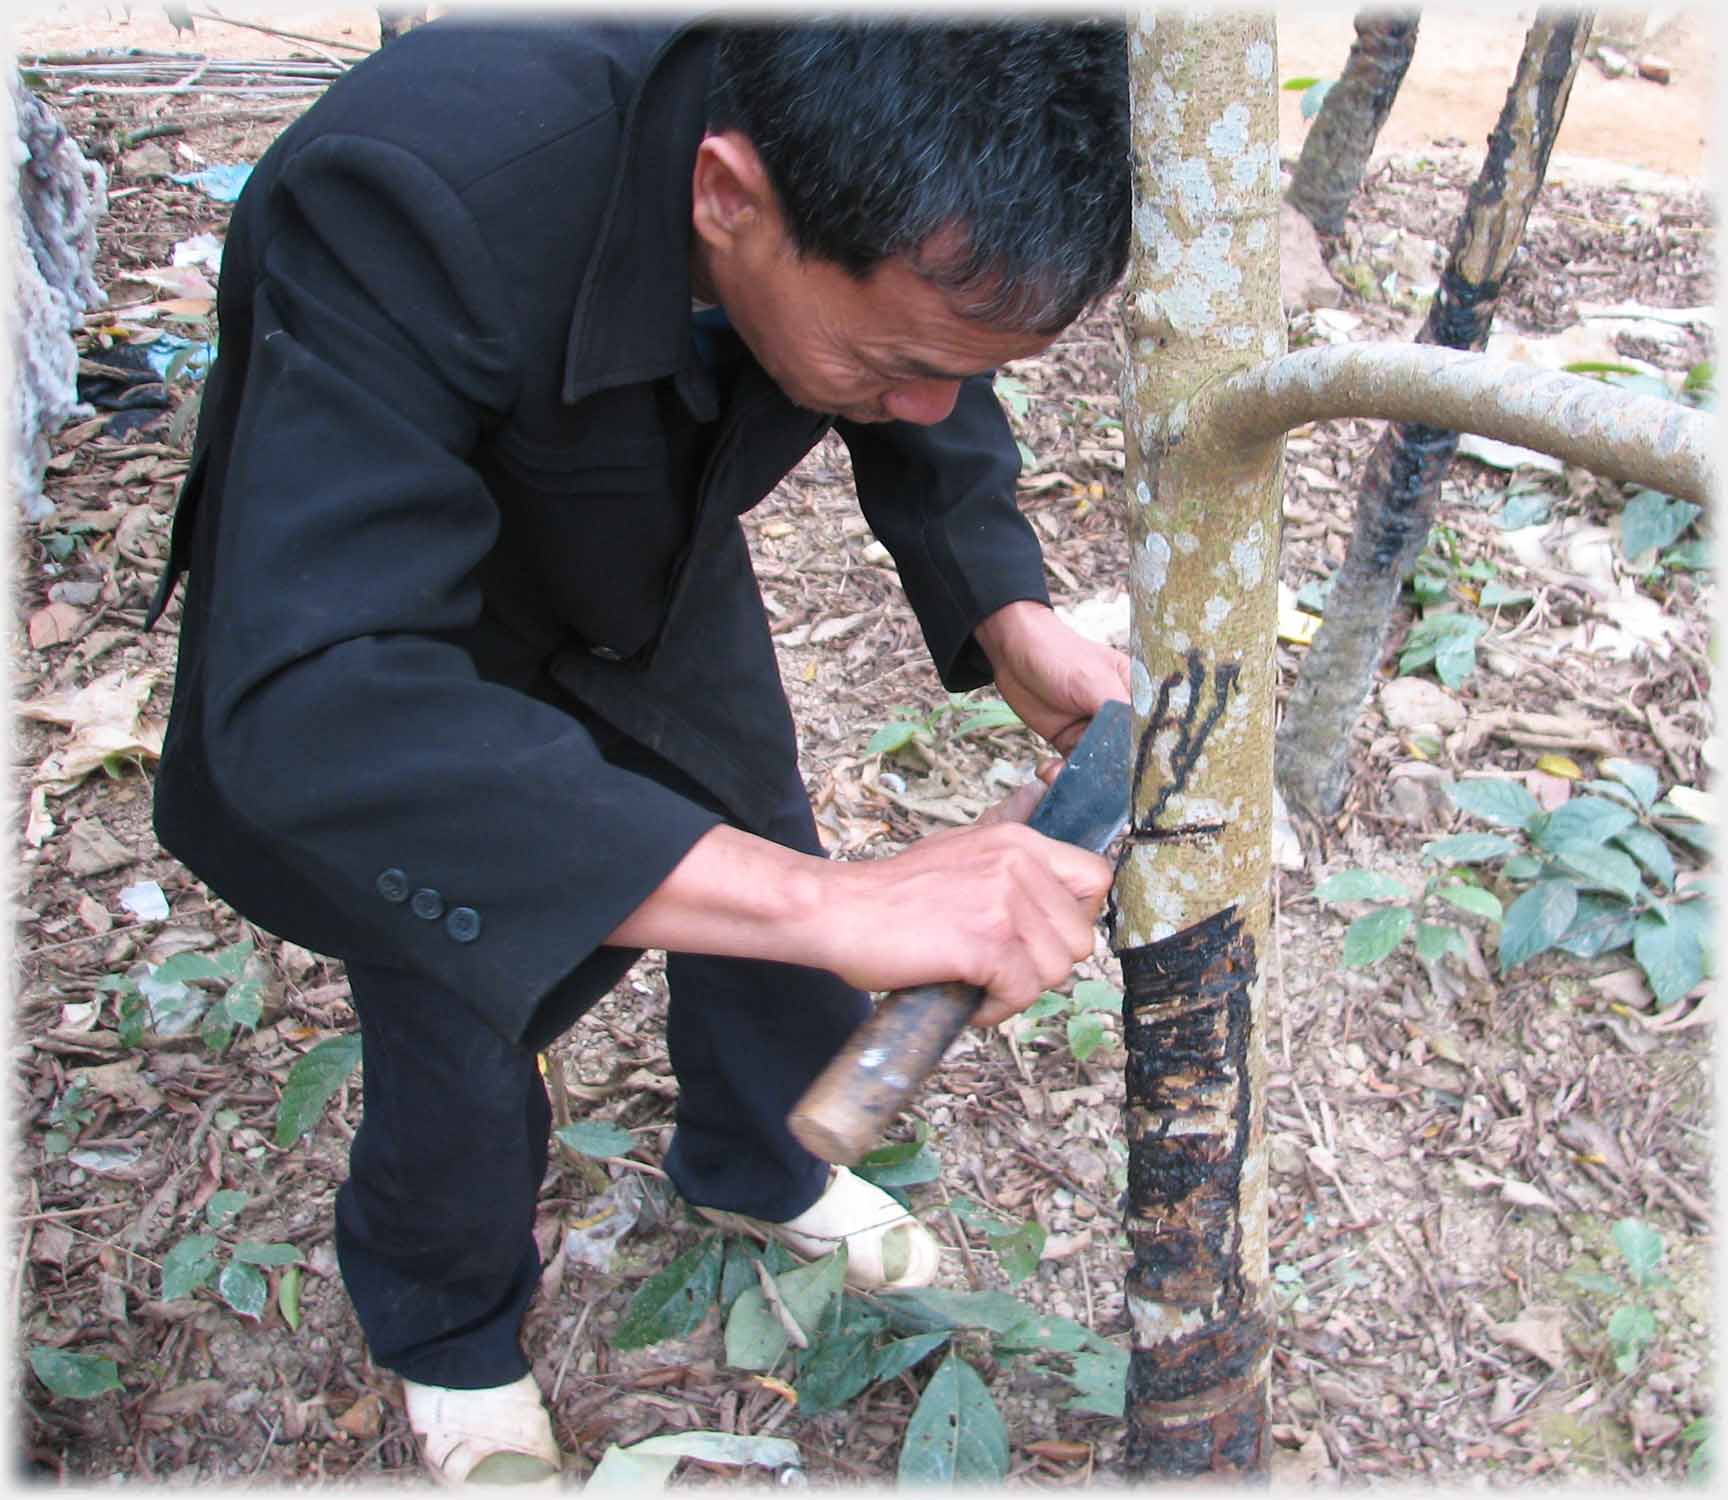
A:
x,y
755,1337
244,1003
1592,1281
288,1297
183,967
1360,885
188,1266
1651,850
1455,660
1583,820
892,737
672,1302
257,1253
312,1083
1640,1245
1495,800
1020,1250
956,1434
1050,1003
992,715
1696,556
1370,938
1101,1378
1471,898
902,1354
1604,870
1298,84
1498,595
1631,1329
1314,96
1601,924
1536,921
1670,955
925,1309
1086,1034
1651,520
1467,848
1097,994
833,1371
920,1166
223,1206
76,1377
1523,867
1637,778
1434,941
596,1138
244,1289
738,1273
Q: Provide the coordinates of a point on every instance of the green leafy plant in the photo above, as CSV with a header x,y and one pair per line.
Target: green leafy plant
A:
x,y
1012,393
1632,1326
66,1117
1018,1245
237,1269
1084,1011
921,730
76,1377
171,997
895,1166
1595,875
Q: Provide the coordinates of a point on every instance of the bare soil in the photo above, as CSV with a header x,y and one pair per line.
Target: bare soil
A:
x,y
1445,1147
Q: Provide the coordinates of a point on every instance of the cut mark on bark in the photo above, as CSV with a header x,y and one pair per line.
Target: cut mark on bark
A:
x,y
1192,732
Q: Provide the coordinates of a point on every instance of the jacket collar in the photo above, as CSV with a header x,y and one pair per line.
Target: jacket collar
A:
x,y
632,316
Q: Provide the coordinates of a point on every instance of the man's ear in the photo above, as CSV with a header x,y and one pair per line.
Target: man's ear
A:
x,y
731,198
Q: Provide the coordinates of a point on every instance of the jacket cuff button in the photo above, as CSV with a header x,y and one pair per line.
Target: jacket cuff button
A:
x,y
393,885
427,904
463,924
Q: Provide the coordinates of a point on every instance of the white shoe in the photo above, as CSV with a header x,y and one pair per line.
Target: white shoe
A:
x,y
499,1435
887,1250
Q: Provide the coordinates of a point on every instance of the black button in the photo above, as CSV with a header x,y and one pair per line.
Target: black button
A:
x,y
606,653
393,885
427,903
463,924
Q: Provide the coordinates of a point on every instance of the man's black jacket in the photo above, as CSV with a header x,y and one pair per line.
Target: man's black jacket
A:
x,y
457,442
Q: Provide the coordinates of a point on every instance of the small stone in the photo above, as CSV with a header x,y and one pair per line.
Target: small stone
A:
x,y
1656,69
1614,64
1414,702
93,914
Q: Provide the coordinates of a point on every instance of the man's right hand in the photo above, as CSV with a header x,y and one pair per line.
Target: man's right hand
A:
x,y
995,905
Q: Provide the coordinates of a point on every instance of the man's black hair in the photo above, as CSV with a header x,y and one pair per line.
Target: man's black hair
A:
x,y
878,135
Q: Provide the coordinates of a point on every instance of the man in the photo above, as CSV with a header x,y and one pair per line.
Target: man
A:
x,y
475,689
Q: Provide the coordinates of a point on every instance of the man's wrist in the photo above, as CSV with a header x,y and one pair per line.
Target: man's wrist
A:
x,y
997,632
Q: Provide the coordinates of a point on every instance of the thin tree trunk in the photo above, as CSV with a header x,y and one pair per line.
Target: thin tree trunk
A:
x,y
1401,480
1192,899
1342,137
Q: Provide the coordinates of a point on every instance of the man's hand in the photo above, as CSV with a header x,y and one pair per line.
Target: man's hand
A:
x,y
1049,674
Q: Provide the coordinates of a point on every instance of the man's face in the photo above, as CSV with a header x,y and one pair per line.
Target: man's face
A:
x,y
887,348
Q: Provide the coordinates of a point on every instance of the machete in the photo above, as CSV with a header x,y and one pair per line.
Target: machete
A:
x,y
888,1057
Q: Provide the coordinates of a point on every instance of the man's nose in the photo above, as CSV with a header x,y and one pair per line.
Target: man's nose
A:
x,y
925,402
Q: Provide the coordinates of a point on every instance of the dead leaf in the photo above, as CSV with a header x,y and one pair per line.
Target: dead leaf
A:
x,y
1474,1177
1540,1332
122,1081
51,1244
1550,792
1624,987
183,1400
1061,1246
363,1419
106,720
1526,1195
54,625
94,915
1062,1451
1593,1141
1559,765
92,850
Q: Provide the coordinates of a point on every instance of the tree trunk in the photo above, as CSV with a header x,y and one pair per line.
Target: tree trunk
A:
x,y
1401,480
1342,137
59,197
1191,917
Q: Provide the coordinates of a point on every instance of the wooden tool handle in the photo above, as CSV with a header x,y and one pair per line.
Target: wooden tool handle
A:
x,y
844,1112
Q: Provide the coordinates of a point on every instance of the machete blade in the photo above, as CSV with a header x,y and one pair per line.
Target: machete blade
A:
x,y
1087,804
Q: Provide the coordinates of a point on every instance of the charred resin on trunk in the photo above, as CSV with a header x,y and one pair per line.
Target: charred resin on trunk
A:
x,y
1196,1386
1400,484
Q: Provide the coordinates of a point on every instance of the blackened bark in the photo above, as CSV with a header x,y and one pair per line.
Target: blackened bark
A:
x,y
1401,480
1340,141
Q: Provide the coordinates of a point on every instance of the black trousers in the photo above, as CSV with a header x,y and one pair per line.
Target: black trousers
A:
x,y
434,1226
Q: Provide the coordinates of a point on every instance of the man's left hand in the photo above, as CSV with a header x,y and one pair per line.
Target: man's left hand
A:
x,y
1048,673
